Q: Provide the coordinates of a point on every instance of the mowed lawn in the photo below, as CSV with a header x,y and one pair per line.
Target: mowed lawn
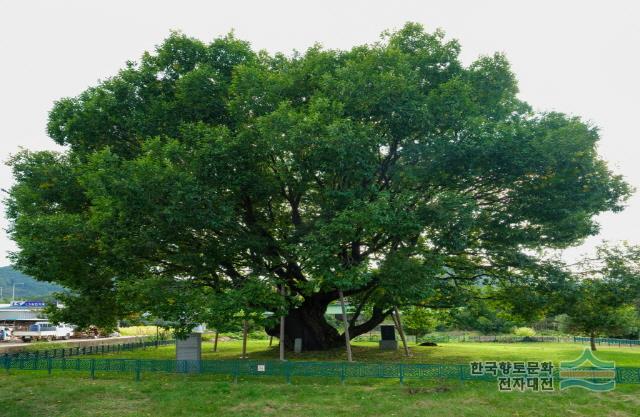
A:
x,y
445,353
25,393
66,395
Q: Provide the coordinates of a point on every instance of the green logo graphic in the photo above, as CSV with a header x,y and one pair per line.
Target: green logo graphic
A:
x,y
588,372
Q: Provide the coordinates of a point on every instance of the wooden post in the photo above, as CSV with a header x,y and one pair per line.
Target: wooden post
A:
x,y
270,341
346,327
245,328
395,322
281,344
215,342
396,315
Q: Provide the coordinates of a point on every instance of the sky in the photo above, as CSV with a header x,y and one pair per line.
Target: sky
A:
x,y
577,57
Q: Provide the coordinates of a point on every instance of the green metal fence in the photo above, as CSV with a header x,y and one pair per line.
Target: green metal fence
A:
x,y
256,368
65,352
528,339
608,341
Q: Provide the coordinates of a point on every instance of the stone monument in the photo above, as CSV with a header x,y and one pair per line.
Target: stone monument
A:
x,y
388,338
190,349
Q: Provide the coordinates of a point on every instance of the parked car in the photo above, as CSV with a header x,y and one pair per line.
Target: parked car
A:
x,y
45,331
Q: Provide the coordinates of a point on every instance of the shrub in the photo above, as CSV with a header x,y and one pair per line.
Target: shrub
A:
x,y
524,331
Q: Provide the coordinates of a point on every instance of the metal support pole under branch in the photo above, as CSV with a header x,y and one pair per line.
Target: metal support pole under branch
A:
x,y
396,319
346,327
245,329
282,291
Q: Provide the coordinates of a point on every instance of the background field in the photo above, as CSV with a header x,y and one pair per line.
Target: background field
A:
x,y
446,353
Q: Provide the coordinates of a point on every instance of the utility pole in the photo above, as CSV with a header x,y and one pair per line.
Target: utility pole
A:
x,y
13,293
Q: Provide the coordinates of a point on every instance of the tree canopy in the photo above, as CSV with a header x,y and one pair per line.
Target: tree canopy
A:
x,y
601,300
198,180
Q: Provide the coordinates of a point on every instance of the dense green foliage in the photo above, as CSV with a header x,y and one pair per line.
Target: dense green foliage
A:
x,y
419,321
602,300
483,316
198,180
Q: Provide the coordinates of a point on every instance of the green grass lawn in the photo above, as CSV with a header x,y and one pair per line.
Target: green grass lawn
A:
x,y
34,393
446,353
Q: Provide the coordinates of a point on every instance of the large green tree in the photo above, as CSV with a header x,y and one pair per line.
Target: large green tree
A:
x,y
601,302
210,175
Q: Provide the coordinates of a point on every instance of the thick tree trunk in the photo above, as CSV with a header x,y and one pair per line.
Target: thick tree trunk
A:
x,y
308,322
593,342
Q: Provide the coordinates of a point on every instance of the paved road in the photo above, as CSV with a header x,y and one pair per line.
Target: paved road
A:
x,y
15,346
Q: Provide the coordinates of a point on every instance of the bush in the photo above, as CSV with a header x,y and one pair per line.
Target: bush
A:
x,y
145,331
253,335
524,331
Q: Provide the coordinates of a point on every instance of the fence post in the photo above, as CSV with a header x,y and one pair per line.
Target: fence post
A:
x,y
7,362
343,373
287,371
93,369
401,374
49,366
236,371
138,370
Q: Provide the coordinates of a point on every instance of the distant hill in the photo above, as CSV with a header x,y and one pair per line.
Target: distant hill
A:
x,y
31,290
